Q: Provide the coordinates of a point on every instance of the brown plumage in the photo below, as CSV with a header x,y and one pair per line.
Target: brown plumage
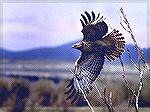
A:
x,y
95,47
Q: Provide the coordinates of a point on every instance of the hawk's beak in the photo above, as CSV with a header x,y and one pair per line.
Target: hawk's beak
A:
x,y
76,46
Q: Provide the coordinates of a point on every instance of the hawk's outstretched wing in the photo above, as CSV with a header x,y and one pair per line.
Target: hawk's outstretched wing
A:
x,y
87,69
94,28
94,47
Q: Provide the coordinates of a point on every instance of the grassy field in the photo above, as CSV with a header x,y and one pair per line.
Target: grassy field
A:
x,y
111,77
81,109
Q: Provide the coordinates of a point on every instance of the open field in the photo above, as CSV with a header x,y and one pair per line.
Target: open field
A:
x,y
81,109
60,69
111,76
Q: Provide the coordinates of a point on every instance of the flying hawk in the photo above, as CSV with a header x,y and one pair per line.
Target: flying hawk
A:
x,y
95,47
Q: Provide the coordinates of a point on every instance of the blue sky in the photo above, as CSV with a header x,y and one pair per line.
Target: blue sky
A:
x,y
33,25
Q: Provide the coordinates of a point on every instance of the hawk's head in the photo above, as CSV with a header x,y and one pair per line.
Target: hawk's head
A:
x,y
78,46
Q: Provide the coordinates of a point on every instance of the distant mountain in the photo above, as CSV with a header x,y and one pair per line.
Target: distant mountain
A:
x,y
134,54
64,52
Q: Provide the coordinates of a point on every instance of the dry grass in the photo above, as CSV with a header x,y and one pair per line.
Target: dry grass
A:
x,y
80,109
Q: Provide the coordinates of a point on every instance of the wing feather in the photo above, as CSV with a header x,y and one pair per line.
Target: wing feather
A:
x,y
84,18
87,70
88,15
93,15
115,45
70,83
77,94
83,25
72,94
70,89
98,16
93,29
96,48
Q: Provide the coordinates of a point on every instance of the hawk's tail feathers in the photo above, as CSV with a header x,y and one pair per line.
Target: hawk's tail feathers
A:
x,y
117,46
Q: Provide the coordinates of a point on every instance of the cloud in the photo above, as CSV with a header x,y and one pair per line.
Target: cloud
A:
x,y
30,25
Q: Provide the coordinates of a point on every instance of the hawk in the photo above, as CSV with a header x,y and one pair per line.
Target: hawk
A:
x,y
95,46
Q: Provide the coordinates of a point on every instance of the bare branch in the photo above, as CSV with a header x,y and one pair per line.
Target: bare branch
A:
x,y
110,98
82,92
133,38
140,54
85,96
125,79
105,99
139,89
124,27
129,54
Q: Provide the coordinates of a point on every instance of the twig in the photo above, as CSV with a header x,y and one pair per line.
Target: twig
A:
x,y
110,98
139,89
125,79
82,92
108,102
85,96
129,54
145,65
132,36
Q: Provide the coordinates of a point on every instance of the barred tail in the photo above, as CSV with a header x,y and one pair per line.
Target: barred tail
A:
x,y
116,43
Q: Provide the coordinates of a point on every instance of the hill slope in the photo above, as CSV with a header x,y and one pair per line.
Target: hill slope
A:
x,y
64,52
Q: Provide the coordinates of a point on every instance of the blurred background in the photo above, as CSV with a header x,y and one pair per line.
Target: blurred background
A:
x,y
36,54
